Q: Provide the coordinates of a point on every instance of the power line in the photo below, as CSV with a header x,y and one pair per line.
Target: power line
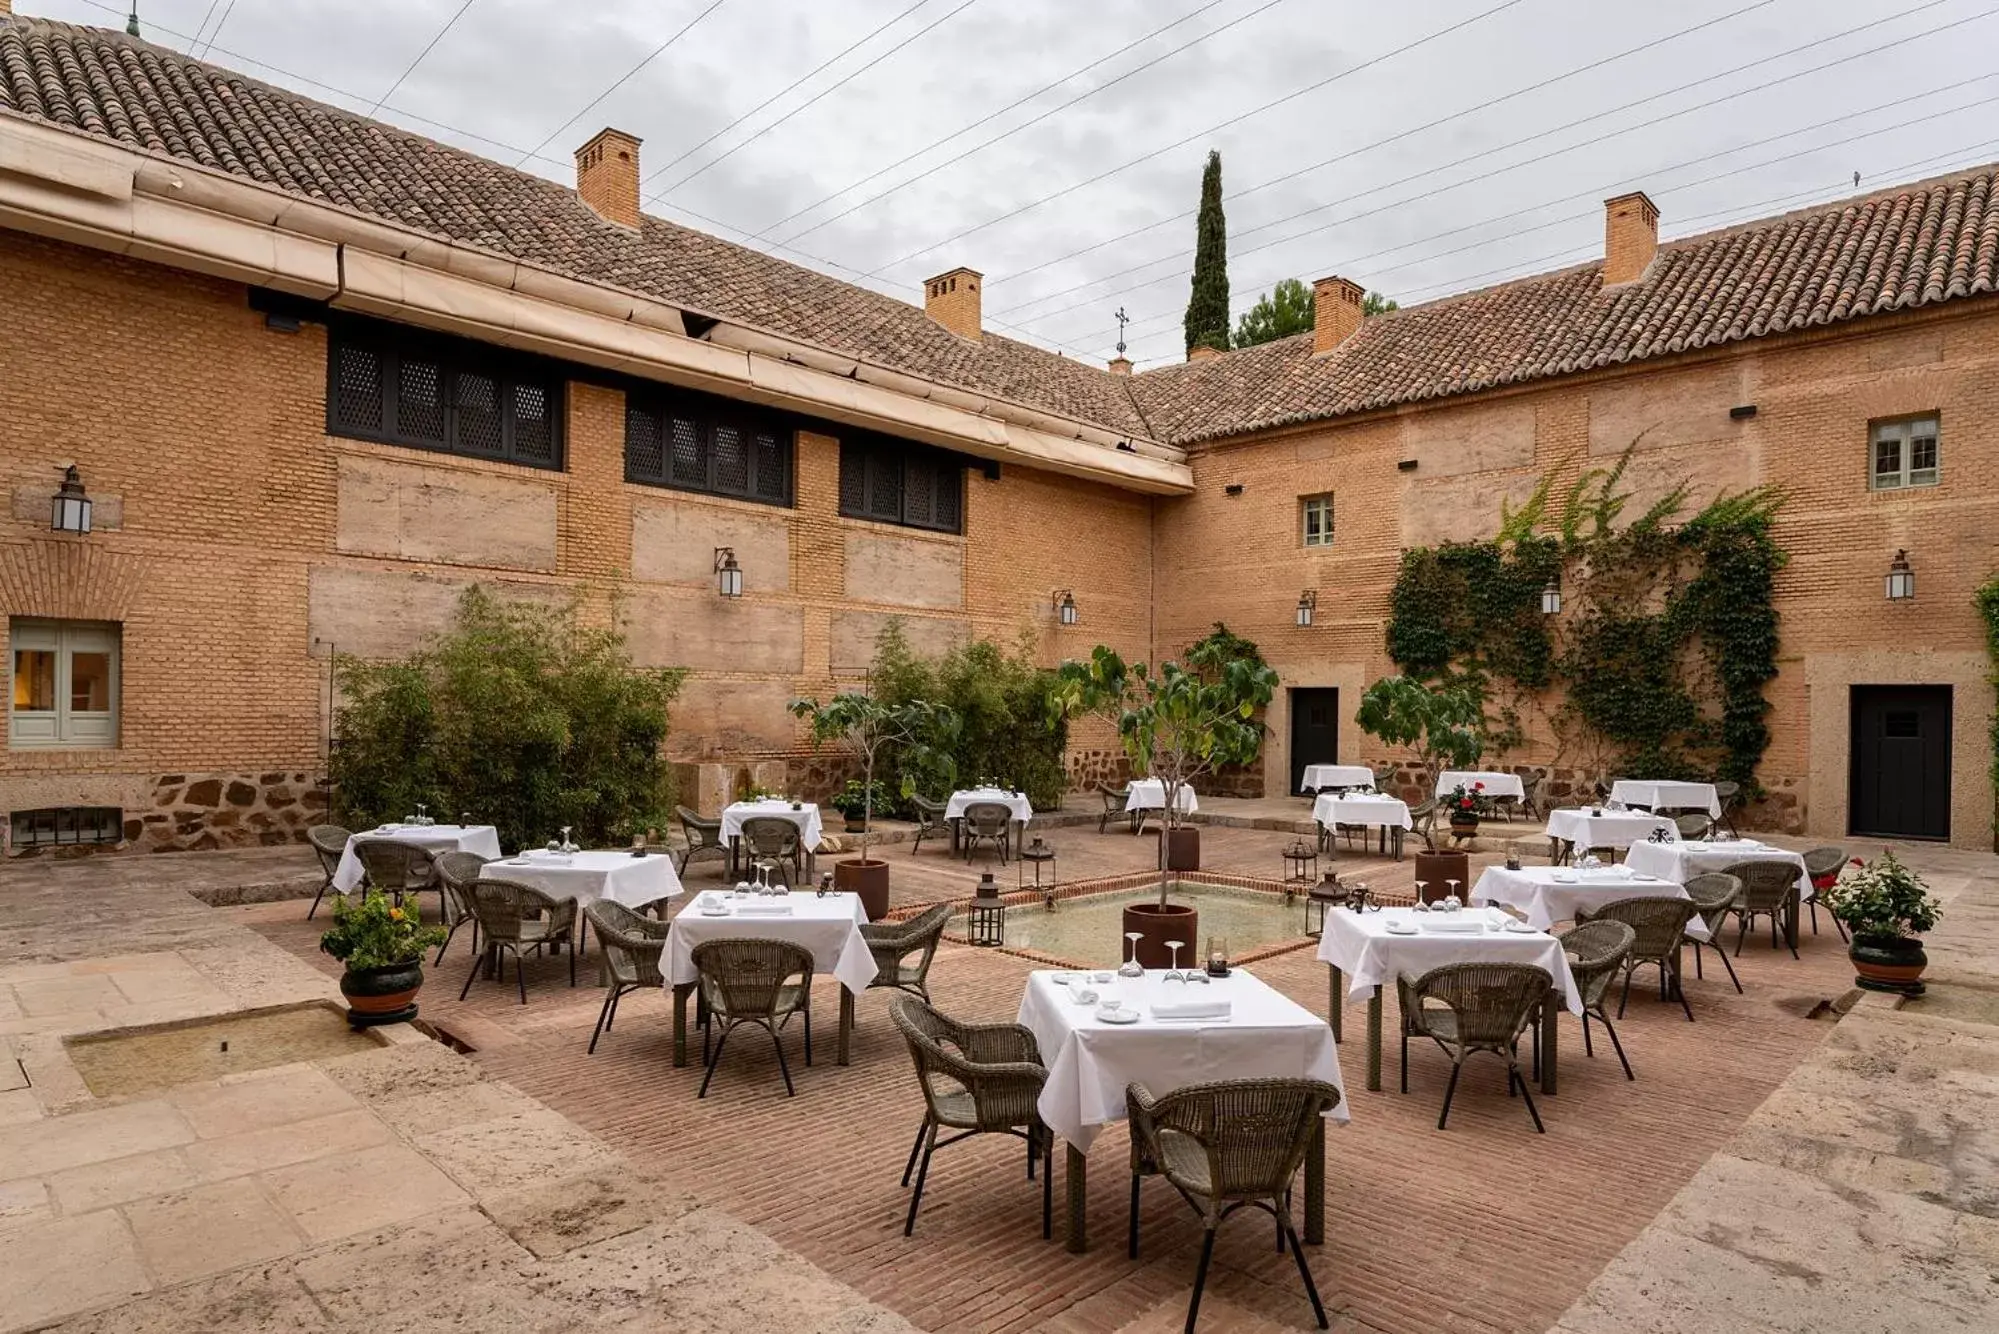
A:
x,y
621,80
844,53
427,48
216,31
206,15
1202,134
992,116
816,97
1590,119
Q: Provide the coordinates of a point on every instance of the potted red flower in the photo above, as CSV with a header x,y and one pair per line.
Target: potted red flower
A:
x,y
1465,805
1887,907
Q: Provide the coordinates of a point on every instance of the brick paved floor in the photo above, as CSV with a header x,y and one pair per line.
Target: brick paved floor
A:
x,y
1487,1226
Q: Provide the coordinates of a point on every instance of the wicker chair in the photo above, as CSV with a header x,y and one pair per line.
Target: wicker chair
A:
x,y
1485,1007
930,821
750,981
456,870
893,942
1114,800
329,842
632,944
1692,825
988,821
1422,823
1714,894
1769,889
1661,924
400,870
1598,949
1730,796
775,839
514,918
978,1079
1530,799
704,838
1225,1145
1823,865
1384,780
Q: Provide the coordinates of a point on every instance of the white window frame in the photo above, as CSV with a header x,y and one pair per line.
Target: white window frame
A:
x,y
1902,434
63,727
1306,506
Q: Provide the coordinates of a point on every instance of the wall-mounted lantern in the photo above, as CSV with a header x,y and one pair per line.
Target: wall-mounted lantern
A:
x,y
70,512
1308,603
1064,603
728,574
1901,579
1551,598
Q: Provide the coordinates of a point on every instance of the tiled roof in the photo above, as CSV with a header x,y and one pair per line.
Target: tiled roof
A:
x,y
117,87
1892,250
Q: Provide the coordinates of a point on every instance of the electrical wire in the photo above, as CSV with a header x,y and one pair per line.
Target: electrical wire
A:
x,y
428,47
621,80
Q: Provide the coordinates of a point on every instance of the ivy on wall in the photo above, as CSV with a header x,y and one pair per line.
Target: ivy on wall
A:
x,y
1987,601
1668,634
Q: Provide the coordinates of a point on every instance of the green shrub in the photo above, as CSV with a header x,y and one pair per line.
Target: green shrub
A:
x,y
523,716
374,933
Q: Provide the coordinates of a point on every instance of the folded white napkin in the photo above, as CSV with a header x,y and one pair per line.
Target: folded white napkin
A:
x,y
1464,923
764,907
1191,1009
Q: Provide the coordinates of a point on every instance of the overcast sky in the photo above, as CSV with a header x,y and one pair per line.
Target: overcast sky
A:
x,y
1480,152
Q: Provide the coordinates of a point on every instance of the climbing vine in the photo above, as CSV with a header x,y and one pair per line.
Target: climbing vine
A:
x,y
1987,601
1668,636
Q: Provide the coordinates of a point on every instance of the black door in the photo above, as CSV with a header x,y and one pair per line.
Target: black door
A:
x,y
1900,787
1315,731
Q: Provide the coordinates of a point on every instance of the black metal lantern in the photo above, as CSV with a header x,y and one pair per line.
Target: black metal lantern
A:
x,y
985,922
1065,607
1551,598
70,512
728,574
1308,603
1301,862
1901,579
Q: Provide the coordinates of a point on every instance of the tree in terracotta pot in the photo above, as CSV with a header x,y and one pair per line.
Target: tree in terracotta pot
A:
x,y
1175,725
1443,725
1886,907
865,726
382,944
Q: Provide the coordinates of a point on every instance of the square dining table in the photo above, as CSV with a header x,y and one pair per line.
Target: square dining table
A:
x,y
803,814
1682,860
1264,1034
1319,776
1550,894
1367,950
1667,795
954,809
482,839
1582,828
1365,810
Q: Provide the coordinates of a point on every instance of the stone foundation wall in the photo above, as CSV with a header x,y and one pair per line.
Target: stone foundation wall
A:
x,y
1087,768
196,812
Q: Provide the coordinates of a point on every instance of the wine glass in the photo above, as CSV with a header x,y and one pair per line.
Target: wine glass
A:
x,y
1452,896
1174,974
567,846
1422,896
1131,966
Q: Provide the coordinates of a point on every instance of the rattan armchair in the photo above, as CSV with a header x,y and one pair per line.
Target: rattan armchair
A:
x,y
1714,894
1823,866
704,838
772,838
400,870
329,842
1730,796
977,1079
1769,889
1422,823
514,918
988,822
930,821
631,943
1530,794
1225,1145
892,944
1692,825
1661,926
456,870
757,982
1598,950
1114,807
1481,1007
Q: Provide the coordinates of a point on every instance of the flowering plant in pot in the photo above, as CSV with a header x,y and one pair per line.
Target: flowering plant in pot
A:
x,y
857,800
1465,806
1886,907
383,944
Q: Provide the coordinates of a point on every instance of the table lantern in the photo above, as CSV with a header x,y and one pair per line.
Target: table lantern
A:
x,y
985,922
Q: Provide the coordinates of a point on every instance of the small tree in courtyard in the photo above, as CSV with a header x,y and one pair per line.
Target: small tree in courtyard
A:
x,y
867,726
1443,725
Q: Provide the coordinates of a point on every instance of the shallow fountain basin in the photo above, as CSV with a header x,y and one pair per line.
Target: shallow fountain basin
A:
x,y
1088,931
164,1056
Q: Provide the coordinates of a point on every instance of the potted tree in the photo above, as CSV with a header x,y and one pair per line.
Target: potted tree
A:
x,y
866,726
1886,907
1444,725
382,944
1175,725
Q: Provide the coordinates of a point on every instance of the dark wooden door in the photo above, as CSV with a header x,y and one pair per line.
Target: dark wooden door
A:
x,y
1900,786
1315,731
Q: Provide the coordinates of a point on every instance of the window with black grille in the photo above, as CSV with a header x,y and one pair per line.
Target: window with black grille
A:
x,y
405,387
698,442
63,826
893,481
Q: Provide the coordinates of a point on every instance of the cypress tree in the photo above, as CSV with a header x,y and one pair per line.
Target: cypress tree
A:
x,y
1208,305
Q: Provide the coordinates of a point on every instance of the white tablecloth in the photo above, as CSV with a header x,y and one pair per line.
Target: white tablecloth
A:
x,y
1149,794
1338,775
1551,894
1680,862
1267,1035
1330,810
1022,809
480,838
588,876
1361,946
1496,784
1612,829
1671,796
829,927
806,818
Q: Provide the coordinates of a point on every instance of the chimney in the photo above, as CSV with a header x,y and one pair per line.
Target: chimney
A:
x,y
1336,306
1630,237
1202,352
6,7
607,176
952,299
1119,365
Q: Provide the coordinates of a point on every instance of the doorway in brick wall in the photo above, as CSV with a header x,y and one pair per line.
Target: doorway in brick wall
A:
x,y
1900,748
1315,731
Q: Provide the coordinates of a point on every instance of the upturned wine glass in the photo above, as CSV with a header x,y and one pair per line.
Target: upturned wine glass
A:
x,y
1174,974
1131,967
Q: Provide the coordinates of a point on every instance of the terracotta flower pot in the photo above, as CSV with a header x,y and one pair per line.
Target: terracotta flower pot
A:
x,y
867,877
381,995
1157,925
1889,963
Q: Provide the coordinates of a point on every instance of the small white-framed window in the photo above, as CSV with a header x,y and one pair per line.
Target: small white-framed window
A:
x,y
1904,453
65,683
1317,519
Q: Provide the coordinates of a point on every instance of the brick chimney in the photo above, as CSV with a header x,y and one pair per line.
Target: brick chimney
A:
x,y
952,299
1202,352
1336,304
6,7
1630,237
1120,365
607,176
